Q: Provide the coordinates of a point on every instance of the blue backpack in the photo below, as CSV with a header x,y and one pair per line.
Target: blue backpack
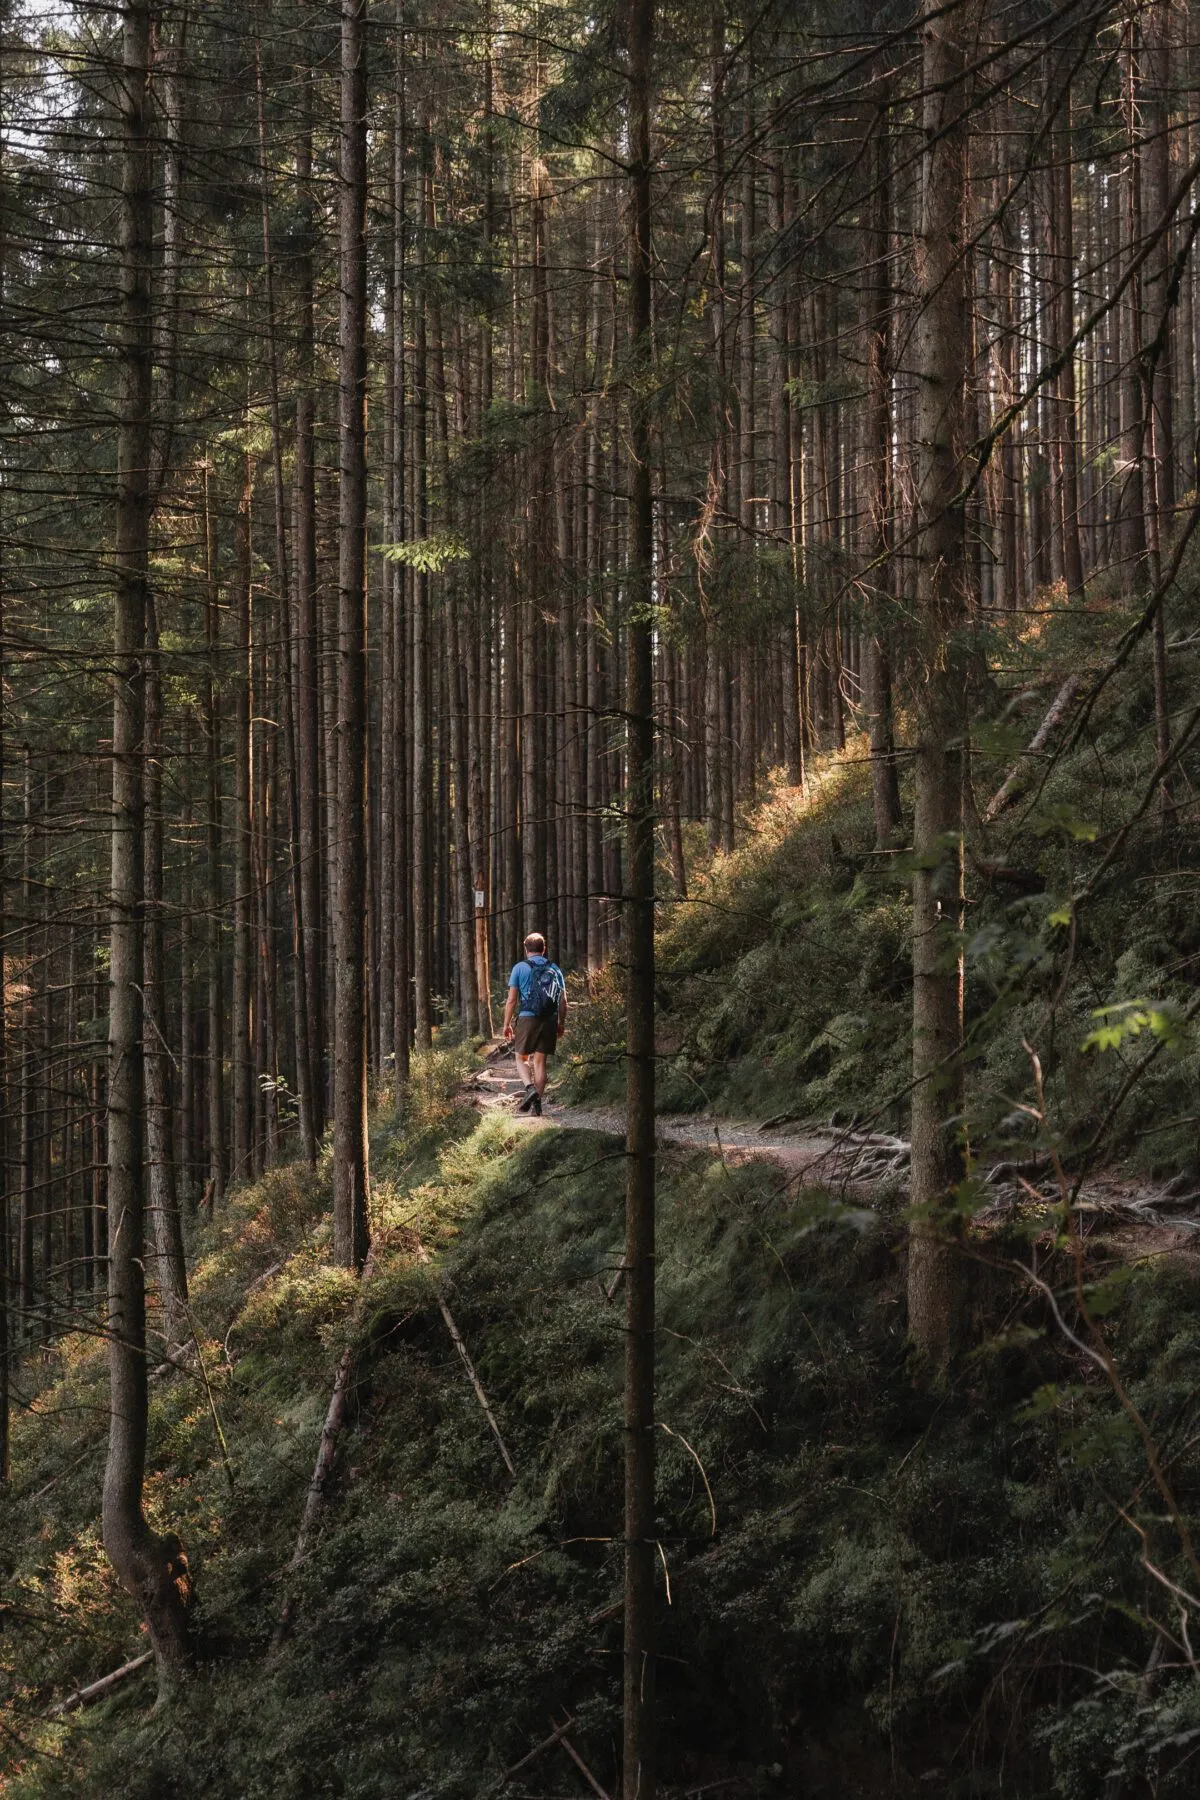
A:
x,y
547,990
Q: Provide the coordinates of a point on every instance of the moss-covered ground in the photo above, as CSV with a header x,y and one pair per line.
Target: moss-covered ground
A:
x,y
872,1590
785,976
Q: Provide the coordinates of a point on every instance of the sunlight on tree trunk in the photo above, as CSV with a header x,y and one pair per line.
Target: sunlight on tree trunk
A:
x,y
936,1271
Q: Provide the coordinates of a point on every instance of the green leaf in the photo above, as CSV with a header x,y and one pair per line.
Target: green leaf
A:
x,y
428,555
1051,1397
1130,1018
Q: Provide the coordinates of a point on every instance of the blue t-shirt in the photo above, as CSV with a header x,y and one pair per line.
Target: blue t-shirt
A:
x,y
522,979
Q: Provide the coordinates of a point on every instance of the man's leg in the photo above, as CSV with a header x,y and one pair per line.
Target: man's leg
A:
x,y
528,1099
538,1061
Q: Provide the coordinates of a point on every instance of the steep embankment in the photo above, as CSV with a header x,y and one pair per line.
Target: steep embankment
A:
x,y
785,976
871,1589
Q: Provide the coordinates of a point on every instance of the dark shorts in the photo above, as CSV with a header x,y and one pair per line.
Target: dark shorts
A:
x,y
533,1035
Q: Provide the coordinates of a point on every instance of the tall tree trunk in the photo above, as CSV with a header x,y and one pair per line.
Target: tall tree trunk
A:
x,y
422,758
350,1230
216,986
188,1131
1158,436
593,673
391,586
28,1171
149,1566
5,1250
1067,447
1132,410
241,1042
936,1282
401,657
170,1265
885,784
44,1182
288,651
791,735
308,668
640,1529
464,887
6,1288
715,757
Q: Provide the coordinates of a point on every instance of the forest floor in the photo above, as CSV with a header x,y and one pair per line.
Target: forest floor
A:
x,y
855,1563
1159,1218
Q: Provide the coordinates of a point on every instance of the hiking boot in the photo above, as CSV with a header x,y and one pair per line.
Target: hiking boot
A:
x,y
526,1102
536,1108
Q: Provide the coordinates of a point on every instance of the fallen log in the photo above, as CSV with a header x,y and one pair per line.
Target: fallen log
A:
x,y
1037,743
532,1755
335,1418
575,1757
96,1690
457,1339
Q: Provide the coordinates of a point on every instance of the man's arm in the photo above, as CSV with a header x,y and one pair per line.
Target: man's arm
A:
x,y
510,1007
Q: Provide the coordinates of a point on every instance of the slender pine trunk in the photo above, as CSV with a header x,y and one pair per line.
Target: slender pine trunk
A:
x,y
151,1567
350,1226
936,1272
640,1709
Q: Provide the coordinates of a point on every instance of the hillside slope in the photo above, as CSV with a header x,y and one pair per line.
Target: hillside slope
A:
x,y
870,1589
785,976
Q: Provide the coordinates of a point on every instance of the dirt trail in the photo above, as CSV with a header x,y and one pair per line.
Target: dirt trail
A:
x,y
833,1158
1166,1216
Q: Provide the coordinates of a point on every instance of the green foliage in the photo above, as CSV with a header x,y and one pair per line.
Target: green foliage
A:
x,y
428,555
1129,1018
880,1563
784,982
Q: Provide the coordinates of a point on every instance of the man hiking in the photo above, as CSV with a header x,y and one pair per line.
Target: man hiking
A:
x,y
535,1017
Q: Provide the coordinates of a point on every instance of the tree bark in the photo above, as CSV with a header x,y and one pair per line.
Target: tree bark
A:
x,y
640,1711
167,1226
216,986
152,1568
241,1039
422,770
287,654
936,1281
308,673
885,785
26,1149
401,644
350,1229
1067,447
1158,434
5,1251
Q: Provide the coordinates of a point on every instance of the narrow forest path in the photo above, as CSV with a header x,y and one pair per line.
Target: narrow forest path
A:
x,y
1161,1216
808,1153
